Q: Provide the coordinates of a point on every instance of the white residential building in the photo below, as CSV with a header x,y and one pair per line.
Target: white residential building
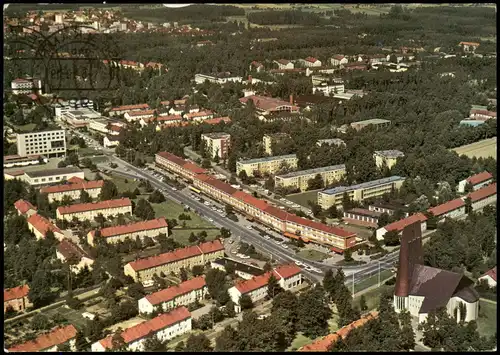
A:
x,y
47,143
88,211
284,64
217,144
113,235
338,60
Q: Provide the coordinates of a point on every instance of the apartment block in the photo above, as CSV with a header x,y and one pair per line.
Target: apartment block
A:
x,y
88,211
269,165
49,342
299,179
288,276
173,163
51,176
376,122
40,225
113,235
67,251
387,157
10,161
273,138
16,298
359,192
217,144
334,141
182,294
477,181
26,86
144,269
120,110
73,189
165,327
47,143
242,270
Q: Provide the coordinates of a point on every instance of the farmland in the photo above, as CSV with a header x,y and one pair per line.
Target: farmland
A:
x,y
482,149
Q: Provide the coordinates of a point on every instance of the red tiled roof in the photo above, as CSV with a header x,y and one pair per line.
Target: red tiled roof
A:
x,y
311,59
199,114
256,64
217,120
76,180
276,212
194,168
470,43
115,128
483,192
87,185
84,207
402,223
169,118
287,271
133,227
173,292
479,178
491,273
324,343
283,61
130,107
338,57
70,250
14,172
173,158
42,224
23,206
249,199
254,283
219,185
141,113
447,207
154,325
15,293
166,258
211,247
320,226
56,337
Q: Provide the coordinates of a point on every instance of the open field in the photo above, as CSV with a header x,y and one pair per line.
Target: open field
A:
x,y
74,317
313,255
303,197
373,280
172,210
372,297
482,149
126,324
123,184
182,235
487,321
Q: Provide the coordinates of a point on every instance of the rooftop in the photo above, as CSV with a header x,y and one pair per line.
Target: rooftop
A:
x,y
52,172
15,293
491,273
23,206
133,227
249,269
479,178
390,153
364,212
266,103
371,121
171,293
312,171
267,159
45,341
70,250
402,223
365,185
84,207
216,135
85,185
42,224
483,193
447,207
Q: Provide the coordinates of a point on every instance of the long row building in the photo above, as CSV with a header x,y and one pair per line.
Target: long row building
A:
x,y
289,224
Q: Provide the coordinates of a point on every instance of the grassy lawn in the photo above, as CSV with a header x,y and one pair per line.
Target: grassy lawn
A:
x,y
85,152
123,184
182,235
171,210
99,159
373,280
302,198
372,297
487,321
24,128
299,341
313,255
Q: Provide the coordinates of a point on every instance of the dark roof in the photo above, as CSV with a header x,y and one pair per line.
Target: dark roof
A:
x,y
468,294
51,172
393,205
304,100
255,271
410,254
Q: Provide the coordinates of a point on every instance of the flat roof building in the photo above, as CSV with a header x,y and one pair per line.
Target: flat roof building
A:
x,y
375,122
300,179
51,176
269,165
334,141
272,138
47,143
242,270
359,192
387,157
217,144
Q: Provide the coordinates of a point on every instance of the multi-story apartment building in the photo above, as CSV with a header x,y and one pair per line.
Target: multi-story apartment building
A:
x,y
310,62
217,143
182,294
88,211
334,141
73,189
483,197
469,46
284,64
220,78
289,224
327,89
106,126
47,143
120,110
338,60
49,342
273,138
173,163
67,251
387,157
377,122
40,225
288,276
144,269
133,116
400,225
112,235
477,181
299,179
24,208
452,209
359,192
268,165
389,208
26,86
165,327
16,298
51,176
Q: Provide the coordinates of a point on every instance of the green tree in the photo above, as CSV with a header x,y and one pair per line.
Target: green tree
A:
x,y
197,270
348,255
153,344
362,303
273,287
144,210
198,343
391,238
85,197
156,197
315,183
40,322
268,267
183,274
407,335
225,233
313,312
136,290
243,176
246,302
108,191
228,340
229,209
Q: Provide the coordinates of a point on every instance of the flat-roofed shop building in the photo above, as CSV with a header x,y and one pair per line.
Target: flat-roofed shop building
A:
x,y
387,157
299,179
269,165
144,269
113,235
217,144
362,217
240,269
47,143
88,211
51,176
359,192
273,138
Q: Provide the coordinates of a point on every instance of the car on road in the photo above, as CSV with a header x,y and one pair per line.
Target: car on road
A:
x,y
210,220
249,227
308,268
284,246
268,229
206,203
298,263
174,188
231,241
276,241
233,251
266,237
245,257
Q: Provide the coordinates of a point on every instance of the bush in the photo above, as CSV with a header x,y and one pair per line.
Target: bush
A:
x,y
391,281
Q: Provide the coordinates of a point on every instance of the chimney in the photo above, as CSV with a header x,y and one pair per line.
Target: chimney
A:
x,y
250,79
291,99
